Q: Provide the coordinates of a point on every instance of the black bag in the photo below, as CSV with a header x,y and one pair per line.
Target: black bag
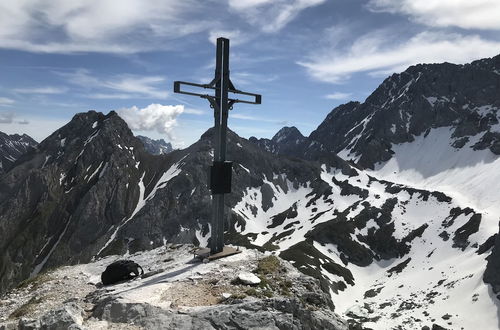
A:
x,y
120,270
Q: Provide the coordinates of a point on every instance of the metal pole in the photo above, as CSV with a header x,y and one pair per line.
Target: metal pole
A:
x,y
220,173
220,133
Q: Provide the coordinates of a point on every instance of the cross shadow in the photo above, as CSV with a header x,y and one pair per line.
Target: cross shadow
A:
x,y
164,278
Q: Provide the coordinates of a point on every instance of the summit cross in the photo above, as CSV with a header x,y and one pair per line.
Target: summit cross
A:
x,y
221,169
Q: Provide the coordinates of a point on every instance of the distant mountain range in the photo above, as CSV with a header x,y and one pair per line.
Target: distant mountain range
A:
x,y
156,147
391,203
12,147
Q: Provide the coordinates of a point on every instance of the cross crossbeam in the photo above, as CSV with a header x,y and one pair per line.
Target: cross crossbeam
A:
x,y
221,170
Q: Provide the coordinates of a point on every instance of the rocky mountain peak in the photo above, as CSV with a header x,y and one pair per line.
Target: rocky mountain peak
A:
x,y
288,134
287,141
12,147
156,147
409,104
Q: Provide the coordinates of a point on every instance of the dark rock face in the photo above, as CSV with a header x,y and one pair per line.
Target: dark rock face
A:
x,y
64,196
270,314
425,96
12,147
156,147
288,141
464,97
492,272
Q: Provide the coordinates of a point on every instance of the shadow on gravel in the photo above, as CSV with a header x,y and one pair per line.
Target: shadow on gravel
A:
x,y
164,278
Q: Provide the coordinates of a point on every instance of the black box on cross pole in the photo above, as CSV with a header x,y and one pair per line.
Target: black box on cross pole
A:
x,y
220,177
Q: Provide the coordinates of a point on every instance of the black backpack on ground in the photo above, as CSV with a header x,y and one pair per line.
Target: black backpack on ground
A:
x,y
120,270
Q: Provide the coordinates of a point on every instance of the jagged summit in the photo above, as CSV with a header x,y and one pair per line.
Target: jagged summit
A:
x,y
287,141
288,134
409,104
12,147
156,147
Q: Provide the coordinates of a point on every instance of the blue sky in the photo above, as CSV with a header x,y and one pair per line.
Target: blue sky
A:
x,y
305,57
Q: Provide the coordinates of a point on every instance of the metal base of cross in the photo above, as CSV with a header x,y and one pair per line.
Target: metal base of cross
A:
x,y
205,253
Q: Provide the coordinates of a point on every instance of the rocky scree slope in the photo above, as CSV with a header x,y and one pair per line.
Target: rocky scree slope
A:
x,y
176,292
12,147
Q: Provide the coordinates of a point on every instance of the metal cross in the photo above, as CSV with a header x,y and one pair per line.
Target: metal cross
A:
x,y
221,170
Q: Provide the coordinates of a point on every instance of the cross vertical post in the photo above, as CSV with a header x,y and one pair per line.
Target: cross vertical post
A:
x,y
221,170
221,68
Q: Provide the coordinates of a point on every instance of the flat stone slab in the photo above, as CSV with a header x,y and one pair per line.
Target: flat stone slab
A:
x,y
226,252
248,278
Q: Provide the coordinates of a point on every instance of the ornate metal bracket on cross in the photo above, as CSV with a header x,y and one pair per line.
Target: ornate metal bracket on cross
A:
x,y
221,170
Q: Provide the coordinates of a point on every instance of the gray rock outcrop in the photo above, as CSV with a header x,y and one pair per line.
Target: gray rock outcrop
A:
x,y
12,147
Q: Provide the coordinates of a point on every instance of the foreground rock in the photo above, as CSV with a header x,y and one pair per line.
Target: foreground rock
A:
x,y
179,294
248,278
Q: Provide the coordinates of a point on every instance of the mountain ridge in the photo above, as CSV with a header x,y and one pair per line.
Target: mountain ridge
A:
x,y
366,235
12,147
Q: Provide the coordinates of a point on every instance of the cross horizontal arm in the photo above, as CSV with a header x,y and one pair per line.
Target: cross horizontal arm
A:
x,y
177,89
257,100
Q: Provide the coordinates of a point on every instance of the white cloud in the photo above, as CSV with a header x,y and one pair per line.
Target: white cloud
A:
x,y
125,86
373,55
271,15
154,117
338,96
61,26
6,101
6,117
41,90
466,14
235,36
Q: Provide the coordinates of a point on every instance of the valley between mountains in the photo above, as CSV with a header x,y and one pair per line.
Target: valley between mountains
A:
x,y
393,203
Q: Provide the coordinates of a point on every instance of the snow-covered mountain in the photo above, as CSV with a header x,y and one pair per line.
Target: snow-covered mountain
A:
x,y
463,98
12,147
401,229
156,147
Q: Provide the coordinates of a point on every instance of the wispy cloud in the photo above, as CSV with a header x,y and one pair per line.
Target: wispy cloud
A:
x,y
41,90
192,111
466,14
271,15
124,86
237,37
6,101
375,54
249,78
154,117
97,26
260,119
6,117
338,96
